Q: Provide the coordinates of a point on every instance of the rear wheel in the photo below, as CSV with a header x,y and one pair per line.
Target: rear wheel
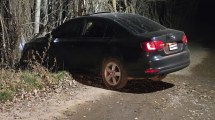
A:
x,y
113,74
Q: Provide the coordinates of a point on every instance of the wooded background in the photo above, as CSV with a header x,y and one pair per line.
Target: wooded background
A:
x,y
21,20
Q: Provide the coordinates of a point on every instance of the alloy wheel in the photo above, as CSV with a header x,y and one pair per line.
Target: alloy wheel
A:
x,y
112,73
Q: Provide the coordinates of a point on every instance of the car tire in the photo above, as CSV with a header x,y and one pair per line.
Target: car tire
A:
x,y
50,62
32,58
113,74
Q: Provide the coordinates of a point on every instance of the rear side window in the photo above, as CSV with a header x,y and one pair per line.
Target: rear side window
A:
x,y
139,24
69,29
94,28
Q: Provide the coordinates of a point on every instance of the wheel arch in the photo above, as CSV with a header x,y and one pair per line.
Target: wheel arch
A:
x,y
114,52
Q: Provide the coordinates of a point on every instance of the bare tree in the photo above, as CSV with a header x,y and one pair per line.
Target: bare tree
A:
x,y
45,11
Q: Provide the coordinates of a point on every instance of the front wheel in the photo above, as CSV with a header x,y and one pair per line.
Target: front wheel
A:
x,y
30,58
113,74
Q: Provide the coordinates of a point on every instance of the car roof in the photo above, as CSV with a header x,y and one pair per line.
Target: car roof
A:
x,y
132,22
112,16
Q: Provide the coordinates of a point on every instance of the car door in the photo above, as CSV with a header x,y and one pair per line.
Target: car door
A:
x,y
66,41
93,42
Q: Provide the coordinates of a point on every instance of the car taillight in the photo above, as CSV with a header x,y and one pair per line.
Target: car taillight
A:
x,y
151,71
184,39
152,45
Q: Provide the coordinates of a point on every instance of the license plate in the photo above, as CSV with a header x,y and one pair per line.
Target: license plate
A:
x,y
173,46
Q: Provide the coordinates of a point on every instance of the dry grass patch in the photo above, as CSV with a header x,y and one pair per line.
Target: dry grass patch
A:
x,y
20,84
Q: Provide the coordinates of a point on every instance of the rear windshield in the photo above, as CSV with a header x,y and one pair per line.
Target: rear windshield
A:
x,y
139,24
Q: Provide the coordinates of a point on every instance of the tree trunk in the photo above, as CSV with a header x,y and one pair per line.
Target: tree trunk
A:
x,y
80,9
46,18
126,3
114,5
45,10
37,17
60,14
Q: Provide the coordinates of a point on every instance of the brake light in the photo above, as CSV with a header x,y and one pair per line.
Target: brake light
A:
x,y
184,39
151,71
152,45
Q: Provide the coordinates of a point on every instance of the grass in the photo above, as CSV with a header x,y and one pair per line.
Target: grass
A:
x,y
6,95
15,83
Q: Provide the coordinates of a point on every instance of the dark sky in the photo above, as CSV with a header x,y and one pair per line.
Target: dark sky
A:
x,y
206,12
204,21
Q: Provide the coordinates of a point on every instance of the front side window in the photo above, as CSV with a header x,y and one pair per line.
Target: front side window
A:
x,y
69,29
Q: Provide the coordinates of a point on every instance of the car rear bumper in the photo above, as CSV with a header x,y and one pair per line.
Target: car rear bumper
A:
x,y
162,64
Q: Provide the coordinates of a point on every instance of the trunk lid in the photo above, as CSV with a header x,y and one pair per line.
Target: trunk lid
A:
x,y
172,40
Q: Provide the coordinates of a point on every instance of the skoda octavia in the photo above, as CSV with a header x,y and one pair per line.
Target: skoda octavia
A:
x,y
115,46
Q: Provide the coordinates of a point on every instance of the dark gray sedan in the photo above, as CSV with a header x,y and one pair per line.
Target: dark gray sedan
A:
x,y
116,46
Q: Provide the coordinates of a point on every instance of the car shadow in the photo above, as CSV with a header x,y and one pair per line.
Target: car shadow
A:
x,y
134,86
146,86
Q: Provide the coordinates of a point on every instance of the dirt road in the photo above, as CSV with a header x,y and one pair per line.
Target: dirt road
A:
x,y
185,95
